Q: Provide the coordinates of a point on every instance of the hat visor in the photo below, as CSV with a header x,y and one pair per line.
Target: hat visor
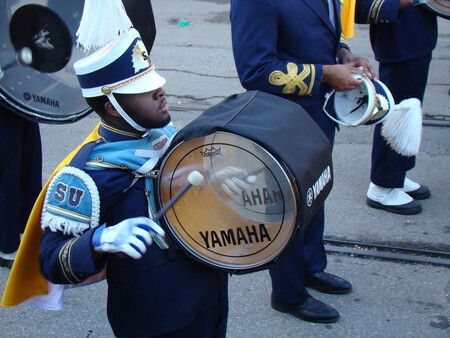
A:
x,y
147,83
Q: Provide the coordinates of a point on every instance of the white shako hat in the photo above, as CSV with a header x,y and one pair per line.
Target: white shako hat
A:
x,y
122,65
369,103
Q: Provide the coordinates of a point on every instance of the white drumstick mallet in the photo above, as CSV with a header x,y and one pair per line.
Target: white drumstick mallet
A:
x,y
194,179
24,56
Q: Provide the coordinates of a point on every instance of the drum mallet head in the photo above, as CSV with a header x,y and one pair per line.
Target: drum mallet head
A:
x,y
195,178
25,56
251,179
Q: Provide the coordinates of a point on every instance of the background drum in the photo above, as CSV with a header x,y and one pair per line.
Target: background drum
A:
x,y
438,7
269,138
47,90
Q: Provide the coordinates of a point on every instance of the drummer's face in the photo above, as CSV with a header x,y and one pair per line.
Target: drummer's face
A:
x,y
149,110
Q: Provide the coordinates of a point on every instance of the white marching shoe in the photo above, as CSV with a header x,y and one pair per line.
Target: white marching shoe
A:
x,y
7,260
415,190
394,200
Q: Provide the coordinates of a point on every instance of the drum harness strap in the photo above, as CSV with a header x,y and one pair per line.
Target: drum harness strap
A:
x,y
149,174
144,171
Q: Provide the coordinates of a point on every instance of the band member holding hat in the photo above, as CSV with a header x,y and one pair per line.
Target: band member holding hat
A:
x,y
403,38
289,48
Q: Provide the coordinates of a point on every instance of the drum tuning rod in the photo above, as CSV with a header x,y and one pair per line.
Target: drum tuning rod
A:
x,y
194,179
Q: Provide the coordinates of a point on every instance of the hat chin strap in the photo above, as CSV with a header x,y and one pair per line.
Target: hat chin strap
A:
x,y
125,116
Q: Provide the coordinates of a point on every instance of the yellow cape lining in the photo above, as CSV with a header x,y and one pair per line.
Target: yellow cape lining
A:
x,y
25,279
348,18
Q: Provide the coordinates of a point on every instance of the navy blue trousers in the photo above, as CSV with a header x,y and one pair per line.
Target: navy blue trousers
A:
x,y
201,327
20,175
406,79
306,254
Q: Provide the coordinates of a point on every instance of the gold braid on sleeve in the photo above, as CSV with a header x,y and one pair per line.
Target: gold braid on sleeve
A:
x,y
293,79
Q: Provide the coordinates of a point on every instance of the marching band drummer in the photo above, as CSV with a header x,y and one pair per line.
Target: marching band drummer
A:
x,y
289,48
403,38
96,211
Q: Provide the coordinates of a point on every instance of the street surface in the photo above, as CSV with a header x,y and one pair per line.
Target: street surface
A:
x,y
389,299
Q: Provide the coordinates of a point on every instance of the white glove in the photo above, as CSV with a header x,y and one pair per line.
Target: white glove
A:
x,y
131,236
233,180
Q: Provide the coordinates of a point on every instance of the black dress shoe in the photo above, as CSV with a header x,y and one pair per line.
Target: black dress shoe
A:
x,y
327,283
412,208
310,310
421,193
6,263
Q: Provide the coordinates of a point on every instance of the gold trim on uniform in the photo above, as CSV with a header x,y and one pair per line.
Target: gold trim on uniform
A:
x,y
379,9
103,165
313,78
107,90
374,11
64,261
292,79
118,131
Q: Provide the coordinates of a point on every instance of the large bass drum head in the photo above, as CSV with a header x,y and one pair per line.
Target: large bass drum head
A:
x,y
53,97
236,230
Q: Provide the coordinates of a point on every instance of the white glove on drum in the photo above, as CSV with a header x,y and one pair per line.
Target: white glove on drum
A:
x,y
233,180
131,236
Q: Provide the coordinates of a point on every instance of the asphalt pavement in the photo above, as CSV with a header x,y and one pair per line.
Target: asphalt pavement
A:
x,y
389,299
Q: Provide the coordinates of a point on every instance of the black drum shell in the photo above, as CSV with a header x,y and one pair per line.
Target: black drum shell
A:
x,y
286,131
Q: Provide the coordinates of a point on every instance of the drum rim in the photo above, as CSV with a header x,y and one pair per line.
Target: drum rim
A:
x,y
229,267
34,116
434,6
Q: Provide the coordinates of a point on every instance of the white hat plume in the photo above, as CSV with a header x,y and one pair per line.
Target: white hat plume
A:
x,y
402,128
102,21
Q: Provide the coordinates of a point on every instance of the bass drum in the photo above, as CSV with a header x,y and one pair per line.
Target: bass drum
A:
x,y
266,142
240,229
35,94
47,90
